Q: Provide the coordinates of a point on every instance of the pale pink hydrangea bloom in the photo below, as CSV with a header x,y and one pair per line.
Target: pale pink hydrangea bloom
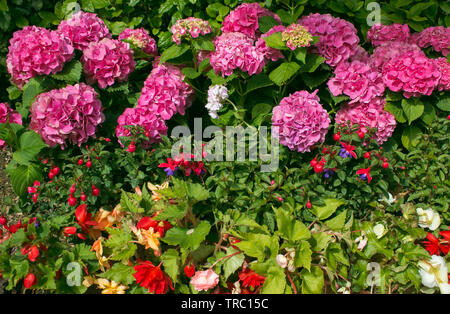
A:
x,y
36,51
107,61
141,39
296,35
83,28
385,52
436,36
370,115
338,38
412,73
70,114
244,19
236,50
7,114
270,53
356,80
165,93
204,280
145,118
301,120
190,27
444,68
379,34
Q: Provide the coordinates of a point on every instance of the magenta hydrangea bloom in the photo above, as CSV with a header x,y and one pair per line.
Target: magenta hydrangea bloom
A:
x,y
244,19
379,34
141,39
369,115
412,73
145,118
338,38
7,114
356,80
444,68
301,120
269,52
190,27
436,36
36,51
70,114
360,55
83,28
388,50
107,61
236,50
165,93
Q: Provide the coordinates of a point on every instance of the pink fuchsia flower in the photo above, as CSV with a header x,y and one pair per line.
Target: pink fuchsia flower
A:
x,y
389,50
70,114
301,120
165,93
7,114
295,36
369,115
338,39
36,51
151,124
436,36
356,80
244,19
141,39
269,52
364,174
412,73
83,28
204,280
444,68
236,51
191,27
379,34
107,61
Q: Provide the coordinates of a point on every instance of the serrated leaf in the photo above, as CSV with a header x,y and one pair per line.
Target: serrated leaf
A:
x,y
266,23
173,52
30,144
290,228
23,177
190,73
284,72
256,245
338,222
323,212
187,238
71,72
171,262
233,263
257,82
312,281
275,41
120,273
275,282
411,136
303,255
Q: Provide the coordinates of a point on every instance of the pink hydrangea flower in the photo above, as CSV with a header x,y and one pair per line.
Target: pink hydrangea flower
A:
x,y
83,28
145,118
244,19
7,114
412,73
436,36
369,115
301,120
204,280
165,93
107,61
360,55
190,27
296,35
141,39
236,50
36,51
379,34
269,52
444,68
388,50
338,38
70,114
356,80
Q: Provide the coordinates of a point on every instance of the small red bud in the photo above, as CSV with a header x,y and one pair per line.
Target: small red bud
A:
x,y
131,148
337,137
83,197
56,171
313,162
72,189
385,165
80,161
189,270
318,168
367,155
308,204
72,200
35,196
51,175
95,192
89,164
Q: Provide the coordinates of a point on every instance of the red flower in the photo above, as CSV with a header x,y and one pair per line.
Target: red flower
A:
x,y
365,174
158,226
349,148
84,218
29,281
33,253
251,279
152,277
436,246
189,270
432,245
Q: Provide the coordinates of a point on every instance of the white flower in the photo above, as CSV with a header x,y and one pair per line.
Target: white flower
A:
x,y
282,260
389,200
379,230
362,240
434,273
217,94
346,289
428,218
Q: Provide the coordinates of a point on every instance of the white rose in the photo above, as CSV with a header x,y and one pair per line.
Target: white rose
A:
x,y
434,273
428,218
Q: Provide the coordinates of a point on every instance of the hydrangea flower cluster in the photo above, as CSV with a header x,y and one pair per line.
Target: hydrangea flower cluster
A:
x,y
107,61
437,36
83,28
412,73
301,120
236,50
379,34
244,19
70,114
338,38
141,39
370,115
7,114
444,68
190,27
36,51
295,36
356,80
142,116
217,94
269,52
165,93
389,50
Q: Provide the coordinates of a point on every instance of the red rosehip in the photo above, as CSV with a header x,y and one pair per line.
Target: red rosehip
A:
x,y
80,161
189,270
385,165
131,148
95,192
29,281
318,168
313,162
72,200
337,137
89,164
308,204
367,155
83,197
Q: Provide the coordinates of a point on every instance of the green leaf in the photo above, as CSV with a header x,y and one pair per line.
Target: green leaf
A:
x,y
300,54
429,114
23,177
257,245
266,23
260,109
34,87
418,8
233,263
323,212
275,41
411,136
203,44
312,281
396,110
190,73
284,72
129,204
188,238
71,72
120,273
290,228
413,109
338,222
444,103
257,82
313,61
275,281
173,52
303,255
171,262
30,144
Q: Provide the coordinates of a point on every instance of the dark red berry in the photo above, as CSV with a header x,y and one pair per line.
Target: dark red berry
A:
x,y
337,137
385,165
